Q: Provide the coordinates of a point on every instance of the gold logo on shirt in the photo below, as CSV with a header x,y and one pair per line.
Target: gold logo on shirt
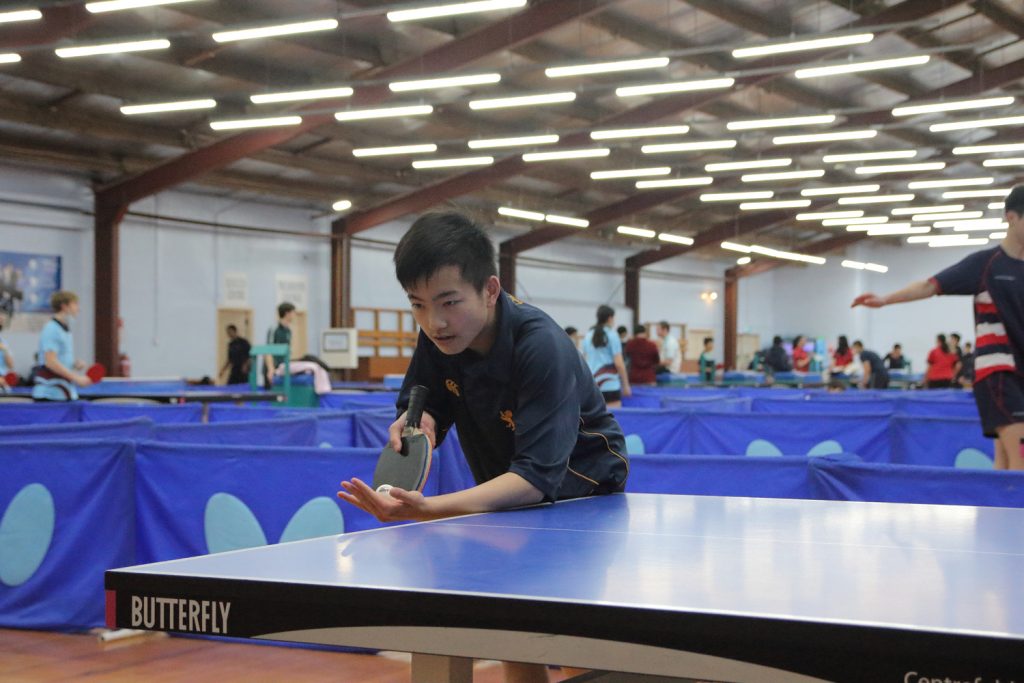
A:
x,y
506,417
513,299
451,386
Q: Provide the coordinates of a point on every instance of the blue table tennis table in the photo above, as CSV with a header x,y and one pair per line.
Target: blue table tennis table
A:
x,y
702,587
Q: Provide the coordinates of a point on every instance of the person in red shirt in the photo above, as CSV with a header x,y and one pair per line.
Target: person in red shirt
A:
x,y
942,365
842,356
801,359
643,357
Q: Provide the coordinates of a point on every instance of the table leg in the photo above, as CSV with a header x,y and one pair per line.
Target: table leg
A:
x,y
441,669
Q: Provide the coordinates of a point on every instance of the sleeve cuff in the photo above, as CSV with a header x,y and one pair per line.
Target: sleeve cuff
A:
x,y
938,285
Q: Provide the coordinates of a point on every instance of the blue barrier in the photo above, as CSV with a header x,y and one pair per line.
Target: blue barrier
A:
x,y
941,441
766,434
127,430
661,431
286,431
159,414
229,412
819,406
194,500
722,475
39,413
380,399
333,427
129,387
736,404
917,405
67,513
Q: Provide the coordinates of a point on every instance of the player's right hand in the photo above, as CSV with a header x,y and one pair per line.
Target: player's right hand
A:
x,y
82,380
427,425
869,300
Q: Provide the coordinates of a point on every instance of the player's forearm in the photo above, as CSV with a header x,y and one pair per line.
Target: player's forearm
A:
x,y
58,368
916,291
9,359
506,491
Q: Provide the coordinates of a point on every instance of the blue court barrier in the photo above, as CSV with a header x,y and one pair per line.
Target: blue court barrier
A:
x,y
881,482
229,412
944,407
766,434
819,406
380,399
939,441
736,404
128,430
333,427
722,475
284,431
193,500
661,431
159,414
38,413
129,387
67,514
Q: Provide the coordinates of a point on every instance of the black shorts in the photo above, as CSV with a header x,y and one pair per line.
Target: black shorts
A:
x,y
612,396
1000,399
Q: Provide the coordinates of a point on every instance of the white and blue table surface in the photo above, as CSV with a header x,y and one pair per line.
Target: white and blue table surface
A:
x,y
711,588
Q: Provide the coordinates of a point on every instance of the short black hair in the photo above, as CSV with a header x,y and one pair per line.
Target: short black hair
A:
x,y
232,326
776,340
444,238
639,329
1015,201
955,334
284,309
859,343
663,325
708,340
897,346
571,330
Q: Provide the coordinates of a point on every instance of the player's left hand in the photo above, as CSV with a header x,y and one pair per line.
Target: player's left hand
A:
x,y
397,505
79,365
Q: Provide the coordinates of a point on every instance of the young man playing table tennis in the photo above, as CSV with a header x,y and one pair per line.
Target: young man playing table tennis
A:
x,y
532,422
59,374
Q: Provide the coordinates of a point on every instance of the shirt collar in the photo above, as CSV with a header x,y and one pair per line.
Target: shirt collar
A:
x,y
498,361
63,326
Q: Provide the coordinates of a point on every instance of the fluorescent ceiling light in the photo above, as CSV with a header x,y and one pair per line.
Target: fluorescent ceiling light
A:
x,y
911,210
449,82
239,124
860,220
734,246
618,133
968,194
985,149
342,205
674,182
567,154
964,243
743,260
112,48
117,5
278,30
736,196
513,142
952,182
383,113
9,57
817,119
901,168
869,156
985,223
636,232
567,220
20,15
299,95
1013,161
678,86
824,137
523,100
185,105
879,199
688,146
915,109
675,239
852,264
781,204
800,45
996,205
743,165
519,213
978,123
449,163
843,189
865,266
452,9
938,238
630,173
397,149
889,231
865,227
606,67
955,215
857,67
826,215
998,235
782,175
788,255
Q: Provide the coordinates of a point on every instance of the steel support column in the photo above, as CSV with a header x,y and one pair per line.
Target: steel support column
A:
x,y
341,279
108,215
731,324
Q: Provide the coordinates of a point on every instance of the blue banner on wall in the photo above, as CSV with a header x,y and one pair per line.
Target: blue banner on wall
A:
x,y
27,281
66,516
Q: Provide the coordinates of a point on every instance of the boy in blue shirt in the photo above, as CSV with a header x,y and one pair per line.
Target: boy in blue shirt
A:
x,y
58,376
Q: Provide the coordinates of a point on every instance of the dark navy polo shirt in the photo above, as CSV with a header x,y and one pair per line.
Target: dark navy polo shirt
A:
x,y
530,406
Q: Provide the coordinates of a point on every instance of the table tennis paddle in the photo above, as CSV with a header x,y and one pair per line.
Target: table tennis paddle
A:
x,y
11,378
96,372
407,469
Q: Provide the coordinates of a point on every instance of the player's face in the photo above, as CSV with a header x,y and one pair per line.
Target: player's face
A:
x,y
1015,224
453,314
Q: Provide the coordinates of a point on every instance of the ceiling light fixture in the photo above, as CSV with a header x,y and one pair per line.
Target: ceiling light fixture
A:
x,y
269,122
674,182
986,223
185,105
880,199
9,58
20,15
630,173
688,146
1011,161
397,149
117,5
567,220
817,119
857,67
869,156
635,232
606,67
824,137
952,182
342,205
858,220
952,216
842,189
300,95
383,113
453,9
782,175
892,230
522,100
519,213
448,82
901,168
858,265
618,133
982,103
743,165
970,194
513,142
450,163
678,86
780,204
274,31
826,215
567,154
800,45
675,239
736,196
978,123
112,48
986,149
912,210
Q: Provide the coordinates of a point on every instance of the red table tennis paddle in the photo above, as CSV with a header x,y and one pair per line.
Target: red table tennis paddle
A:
x,y
406,469
96,372
11,378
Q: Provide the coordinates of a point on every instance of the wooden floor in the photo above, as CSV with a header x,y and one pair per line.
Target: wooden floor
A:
x,y
43,657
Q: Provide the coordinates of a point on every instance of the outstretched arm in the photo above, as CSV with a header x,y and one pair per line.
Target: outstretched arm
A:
x,y
922,289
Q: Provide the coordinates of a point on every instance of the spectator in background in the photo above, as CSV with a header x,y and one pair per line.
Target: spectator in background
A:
x,y
894,360
842,356
954,345
238,357
574,334
282,334
623,333
942,365
6,358
641,357
776,359
669,349
801,359
966,376
873,372
706,362
602,350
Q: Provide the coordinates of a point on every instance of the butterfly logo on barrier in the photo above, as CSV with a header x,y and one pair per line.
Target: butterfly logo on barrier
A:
x,y
26,533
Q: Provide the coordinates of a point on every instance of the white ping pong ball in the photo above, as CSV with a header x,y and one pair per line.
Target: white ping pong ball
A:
x,y
384,489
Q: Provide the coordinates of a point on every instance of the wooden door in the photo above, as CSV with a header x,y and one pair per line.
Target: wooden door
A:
x,y
240,318
300,335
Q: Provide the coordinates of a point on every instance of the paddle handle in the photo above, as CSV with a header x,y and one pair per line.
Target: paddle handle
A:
x,y
417,402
